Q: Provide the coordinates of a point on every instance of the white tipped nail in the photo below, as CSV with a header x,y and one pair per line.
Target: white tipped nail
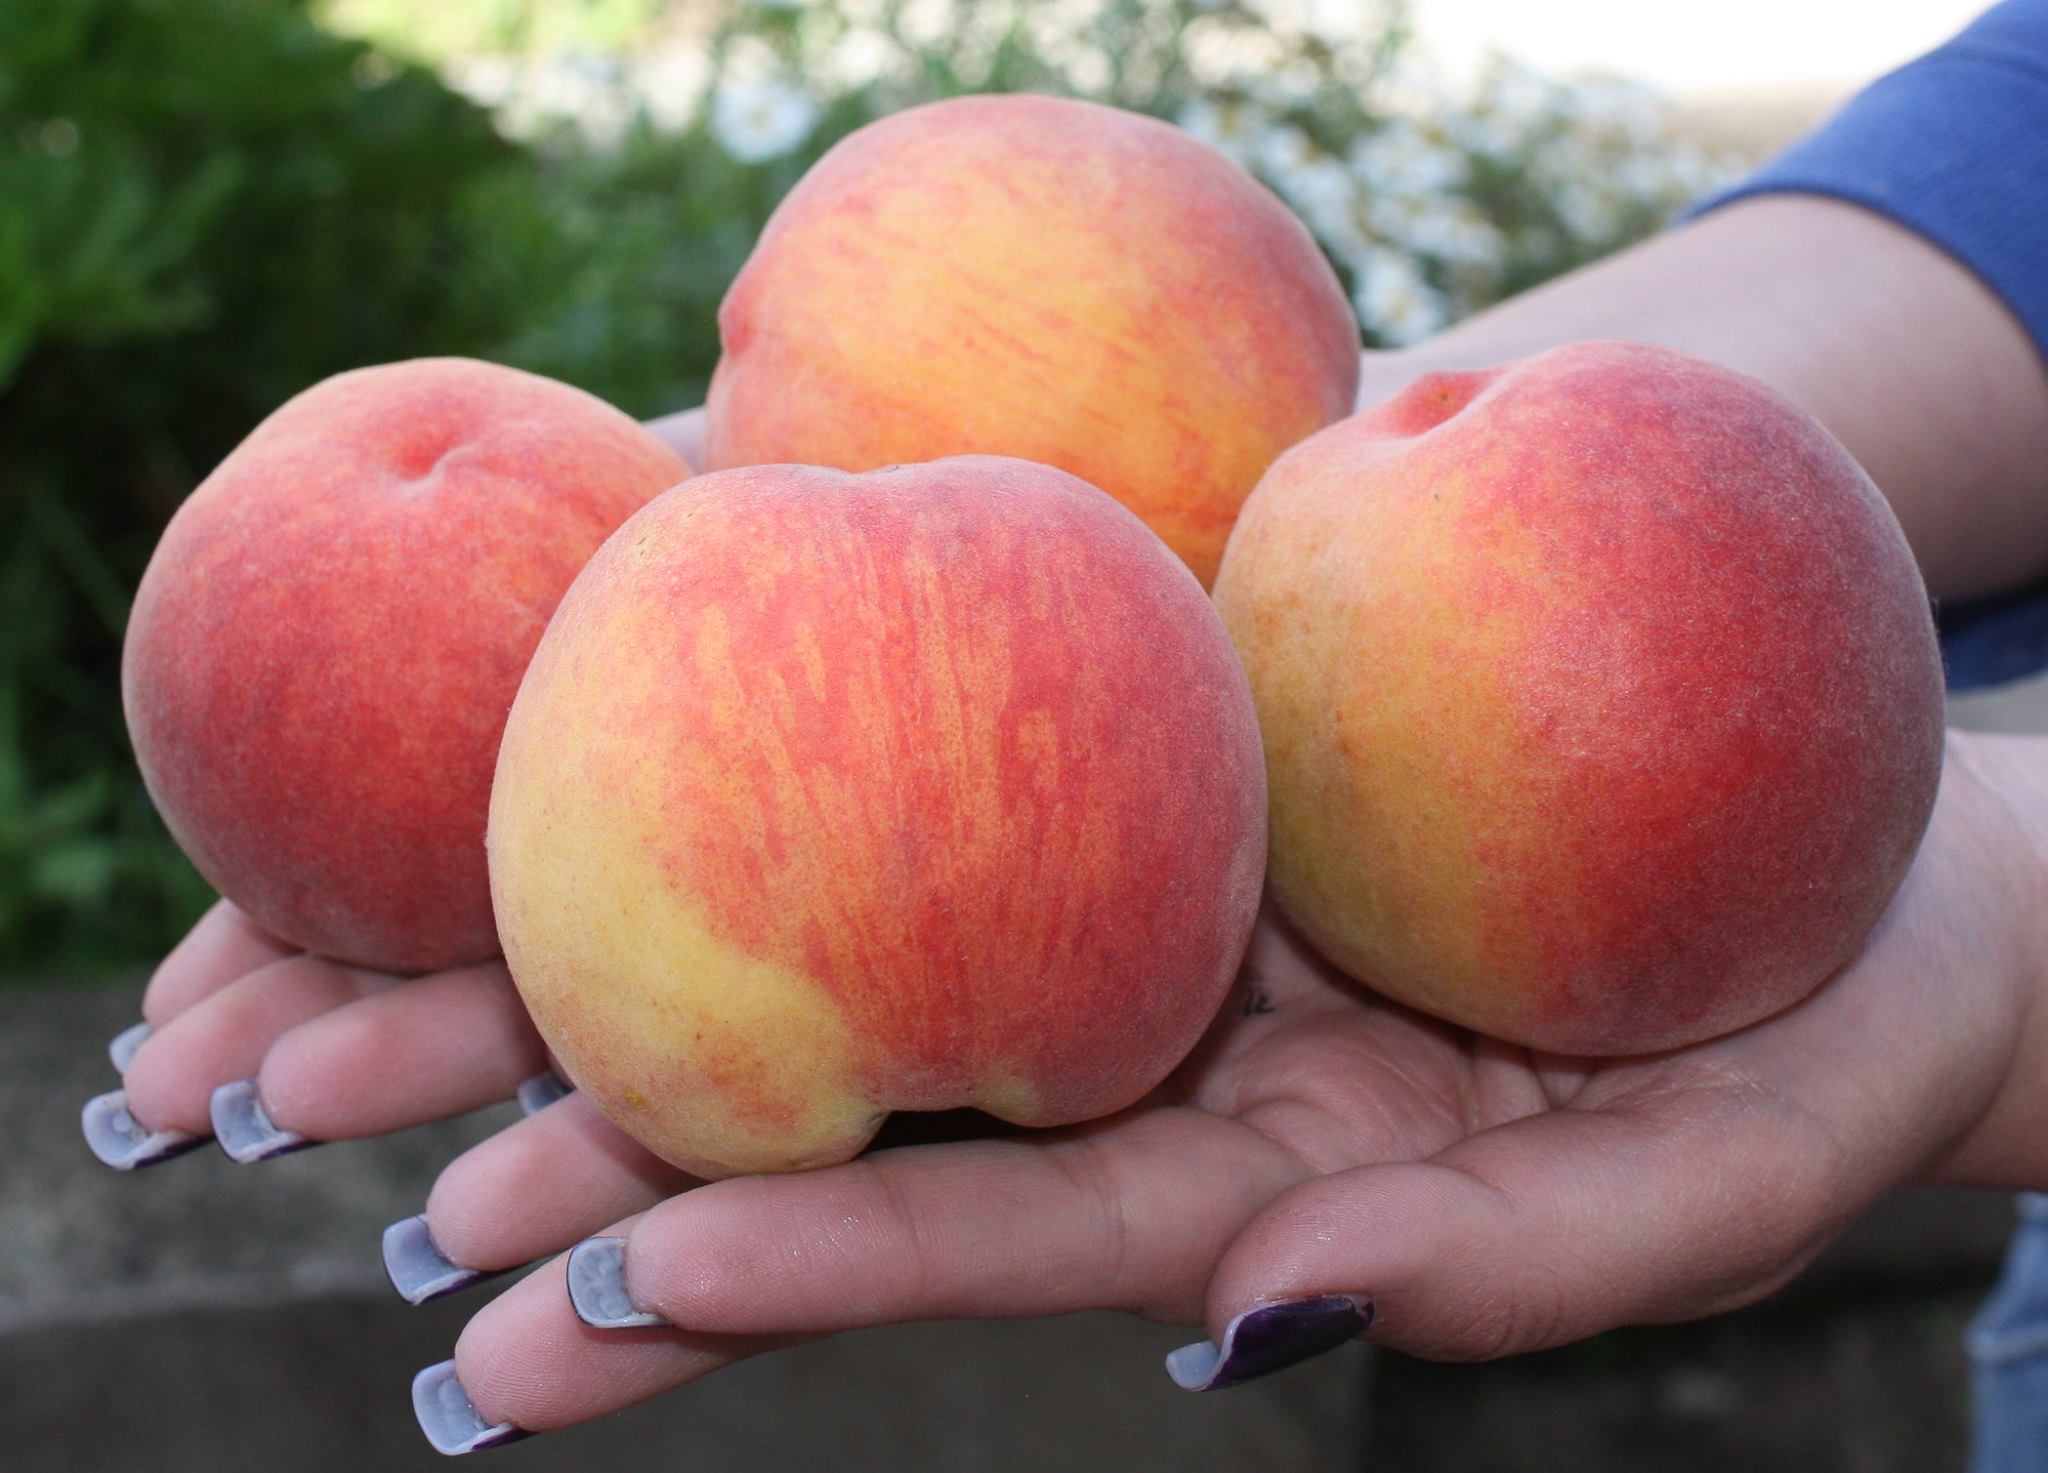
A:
x,y
597,1287
120,1140
537,1093
419,1271
122,1046
450,1419
244,1128
1269,1338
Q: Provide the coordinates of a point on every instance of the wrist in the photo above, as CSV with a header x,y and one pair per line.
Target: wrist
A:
x,y
2007,1146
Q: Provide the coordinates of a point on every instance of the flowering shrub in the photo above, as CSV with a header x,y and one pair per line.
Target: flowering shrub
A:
x,y
1432,199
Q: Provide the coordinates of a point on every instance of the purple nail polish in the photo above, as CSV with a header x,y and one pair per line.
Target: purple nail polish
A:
x,y
244,1128
450,1419
419,1271
122,1046
1269,1338
121,1141
542,1090
597,1288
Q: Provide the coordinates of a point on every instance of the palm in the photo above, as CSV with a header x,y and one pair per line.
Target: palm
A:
x,y
1338,1076
1319,1139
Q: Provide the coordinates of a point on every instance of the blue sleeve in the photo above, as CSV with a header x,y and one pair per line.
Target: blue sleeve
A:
x,y
1953,146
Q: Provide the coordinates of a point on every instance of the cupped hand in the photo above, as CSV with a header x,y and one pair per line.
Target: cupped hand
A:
x,y
332,1052
1326,1163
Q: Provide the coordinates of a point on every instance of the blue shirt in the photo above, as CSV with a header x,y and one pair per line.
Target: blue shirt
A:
x,y
1955,147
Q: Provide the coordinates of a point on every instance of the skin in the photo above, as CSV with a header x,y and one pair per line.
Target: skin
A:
x,y
322,746
832,795
1490,1200
1012,275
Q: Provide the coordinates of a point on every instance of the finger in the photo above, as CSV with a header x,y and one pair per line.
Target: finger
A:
x,y
684,434
171,1079
435,1046
1129,1214
526,1362
224,947
1685,1203
537,1187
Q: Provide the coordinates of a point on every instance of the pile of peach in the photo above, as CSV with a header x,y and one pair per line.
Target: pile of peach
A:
x,y
903,761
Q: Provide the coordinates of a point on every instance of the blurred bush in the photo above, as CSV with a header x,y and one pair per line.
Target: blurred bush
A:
x,y
206,205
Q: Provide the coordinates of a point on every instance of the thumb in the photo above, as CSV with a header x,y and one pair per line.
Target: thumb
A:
x,y
1532,1234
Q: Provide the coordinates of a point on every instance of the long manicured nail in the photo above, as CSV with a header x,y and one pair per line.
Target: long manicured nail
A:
x,y
537,1093
120,1140
597,1287
1270,1338
449,1418
122,1046
244,1128
418,1270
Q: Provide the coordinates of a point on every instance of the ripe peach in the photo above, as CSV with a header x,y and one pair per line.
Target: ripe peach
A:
x,y
1050,279
829,795
329,635
1600,696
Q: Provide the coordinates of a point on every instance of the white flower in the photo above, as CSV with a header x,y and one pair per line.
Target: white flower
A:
x,y
761,120
486,80
1402,158
1588,211
1281,150
1325,194
670,86
1626,111
1453,231
1394,300
1491,133
1232,127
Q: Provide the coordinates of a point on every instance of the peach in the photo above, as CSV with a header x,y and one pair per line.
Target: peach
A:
x,y
831,795
1032,276
329,635
1600,696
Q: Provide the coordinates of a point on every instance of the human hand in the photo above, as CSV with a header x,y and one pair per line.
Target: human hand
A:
x,y
1320,1145
682,432
1328,1164
326,1051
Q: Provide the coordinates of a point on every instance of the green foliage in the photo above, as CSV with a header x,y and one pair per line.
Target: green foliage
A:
x,y
205,205
208,205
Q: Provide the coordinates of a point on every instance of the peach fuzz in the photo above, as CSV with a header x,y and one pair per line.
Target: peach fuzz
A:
x,y
1043,278
831,795
328,637
1600,695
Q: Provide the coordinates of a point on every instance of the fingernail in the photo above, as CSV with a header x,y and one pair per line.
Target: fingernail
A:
x,y
537,1093
597,1287
120,1140
244,1128
417,1268
1270,1338
449,1418
122,1046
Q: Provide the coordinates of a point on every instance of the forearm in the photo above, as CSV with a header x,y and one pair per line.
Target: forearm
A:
x,y
1899,350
